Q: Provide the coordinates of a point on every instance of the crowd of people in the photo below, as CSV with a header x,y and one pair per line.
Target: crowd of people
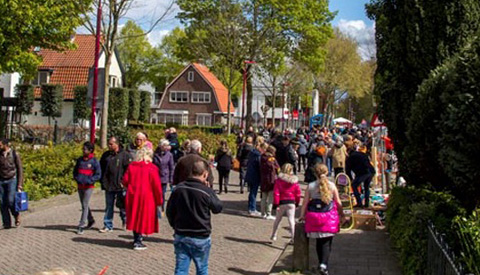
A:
x,y
136,178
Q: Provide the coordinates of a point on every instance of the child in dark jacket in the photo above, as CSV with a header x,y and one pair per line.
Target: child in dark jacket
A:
x,y
224,161
86,172
269,170
286,196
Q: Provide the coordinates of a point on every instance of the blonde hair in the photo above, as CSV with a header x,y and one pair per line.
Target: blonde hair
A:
x,y
321,171
259,142
287,169
144,154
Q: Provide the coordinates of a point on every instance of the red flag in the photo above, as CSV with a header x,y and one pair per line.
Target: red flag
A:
x,y
377,122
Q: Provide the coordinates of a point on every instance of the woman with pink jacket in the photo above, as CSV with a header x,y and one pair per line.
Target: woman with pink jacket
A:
x,y
286,195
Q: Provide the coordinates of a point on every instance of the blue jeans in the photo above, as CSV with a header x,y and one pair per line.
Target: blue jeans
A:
x,y
7,200
188,249
164,190
110,197
252,197
366,179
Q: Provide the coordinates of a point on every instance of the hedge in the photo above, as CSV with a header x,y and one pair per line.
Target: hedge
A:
x,y
409,211
51,101
133,104
81,108
145,104
26,98
118,113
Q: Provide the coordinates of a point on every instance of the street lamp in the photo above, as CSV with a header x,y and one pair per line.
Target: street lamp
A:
x,y
95,73
243,89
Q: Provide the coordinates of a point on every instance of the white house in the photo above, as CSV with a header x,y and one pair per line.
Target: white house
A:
x,y
70,68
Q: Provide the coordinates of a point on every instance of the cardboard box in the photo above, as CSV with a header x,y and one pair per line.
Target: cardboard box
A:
x,y
365,222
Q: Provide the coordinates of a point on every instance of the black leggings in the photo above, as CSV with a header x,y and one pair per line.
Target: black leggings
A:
x,y
324,246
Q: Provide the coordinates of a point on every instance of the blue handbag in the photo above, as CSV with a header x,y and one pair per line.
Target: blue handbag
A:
x,y
21,201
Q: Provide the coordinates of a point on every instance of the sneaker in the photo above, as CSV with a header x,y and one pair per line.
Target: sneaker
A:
x,y
273,238
90,224
323,269
270,217
139,246
105,230
80,231
254,213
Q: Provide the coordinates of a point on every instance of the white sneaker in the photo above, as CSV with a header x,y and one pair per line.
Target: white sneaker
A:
x,y
254,213
270,217
264,216
273,238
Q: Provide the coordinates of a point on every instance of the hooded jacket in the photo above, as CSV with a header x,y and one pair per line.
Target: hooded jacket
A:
x,y
86,172
286,190
269,168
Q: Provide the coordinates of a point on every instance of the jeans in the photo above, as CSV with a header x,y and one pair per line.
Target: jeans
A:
x,y
302,159
252,197
110,197
288,209
366,179
267,203
85,196
8,188
164,191
188,249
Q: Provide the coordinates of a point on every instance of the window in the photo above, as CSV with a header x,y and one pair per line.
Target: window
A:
x,y
181,119
113,81
178,96
157,97
190,76
204,119
200,97
43,77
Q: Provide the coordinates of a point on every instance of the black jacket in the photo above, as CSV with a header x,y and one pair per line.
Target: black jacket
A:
x,y
359,163
243,153
224,159
113,167
189,206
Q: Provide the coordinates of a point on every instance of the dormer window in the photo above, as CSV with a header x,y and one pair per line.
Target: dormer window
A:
x,y
43,77
190,76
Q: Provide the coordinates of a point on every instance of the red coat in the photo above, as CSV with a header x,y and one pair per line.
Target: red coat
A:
x,y
144,194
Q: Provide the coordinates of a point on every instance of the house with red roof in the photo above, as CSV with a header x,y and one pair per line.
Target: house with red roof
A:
x,y
194,97
71,68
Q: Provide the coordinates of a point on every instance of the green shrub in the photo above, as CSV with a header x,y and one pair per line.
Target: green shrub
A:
x,y
409,211
118,113
133,104
81,108
49,171
468,231
26,98
145,103
51,101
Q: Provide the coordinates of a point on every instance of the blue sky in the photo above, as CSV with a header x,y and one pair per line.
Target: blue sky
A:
x,y
350,10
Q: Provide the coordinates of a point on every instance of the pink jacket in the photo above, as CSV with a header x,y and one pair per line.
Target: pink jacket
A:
x,y
286,190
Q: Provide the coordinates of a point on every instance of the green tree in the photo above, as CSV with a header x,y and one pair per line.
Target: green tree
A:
x,y
134,50
26,98
299,29
51,101
81,108
113,12
413,37
133,104
28,24
145,103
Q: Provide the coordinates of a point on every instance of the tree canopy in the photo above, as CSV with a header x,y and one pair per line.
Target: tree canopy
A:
x,y
35,23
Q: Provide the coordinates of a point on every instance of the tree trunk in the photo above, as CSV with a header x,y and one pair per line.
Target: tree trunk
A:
x,y
229,128
106,92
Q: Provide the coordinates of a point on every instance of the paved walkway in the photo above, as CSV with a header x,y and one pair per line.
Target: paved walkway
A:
x,y
240,244
47,239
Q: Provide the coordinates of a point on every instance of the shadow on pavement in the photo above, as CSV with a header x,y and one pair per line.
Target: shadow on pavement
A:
x,y
104,242
245,272
266,243
148,239
58,227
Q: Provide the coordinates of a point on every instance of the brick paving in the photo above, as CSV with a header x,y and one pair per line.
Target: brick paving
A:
x,y
47,239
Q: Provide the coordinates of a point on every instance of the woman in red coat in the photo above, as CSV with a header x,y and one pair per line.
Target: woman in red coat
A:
x,y
144,194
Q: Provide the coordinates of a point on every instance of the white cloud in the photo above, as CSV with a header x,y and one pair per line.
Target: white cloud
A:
x,y
364,35
156,36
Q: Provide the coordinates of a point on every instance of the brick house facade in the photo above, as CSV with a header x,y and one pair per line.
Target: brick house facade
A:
x,y
194,97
